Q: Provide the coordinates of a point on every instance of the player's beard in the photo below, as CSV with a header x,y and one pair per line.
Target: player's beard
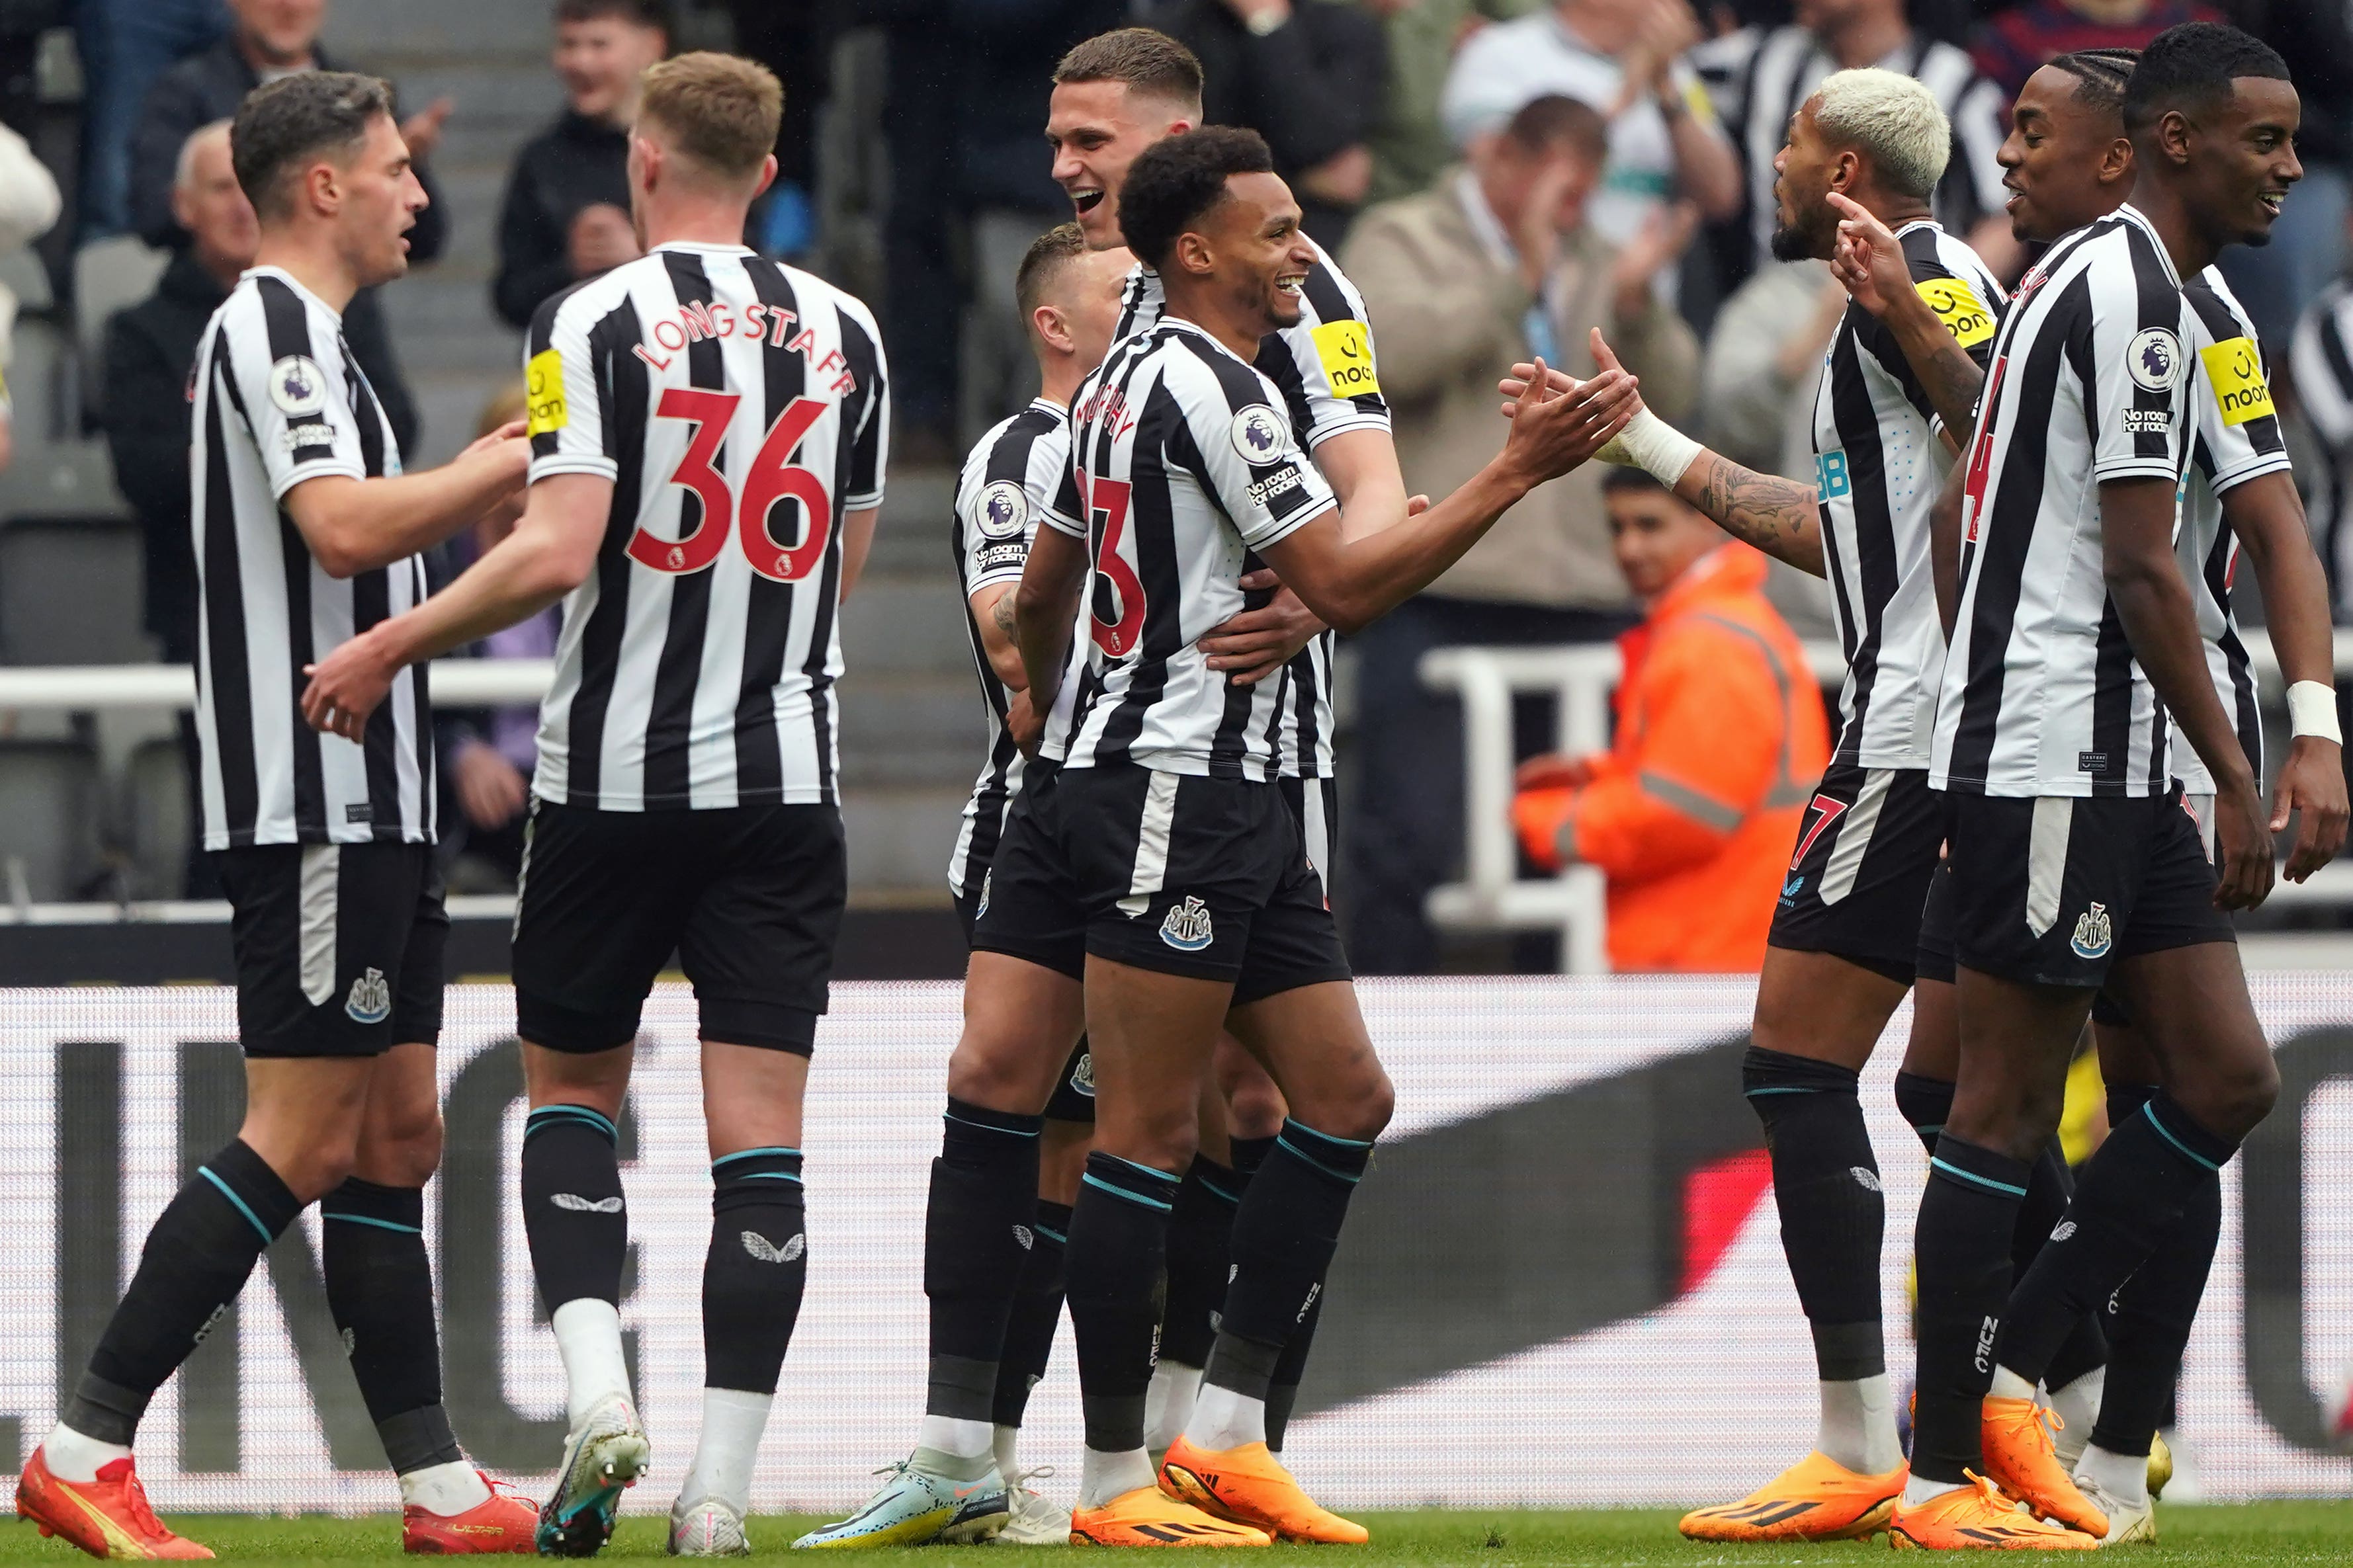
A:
x,y
1792,243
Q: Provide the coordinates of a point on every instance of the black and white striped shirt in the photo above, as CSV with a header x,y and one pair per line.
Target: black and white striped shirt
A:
x,y
2320,362
1326,370
1009,478
1879,460
741,410
1181,471
278,401
1758,78
2090,382
2235,436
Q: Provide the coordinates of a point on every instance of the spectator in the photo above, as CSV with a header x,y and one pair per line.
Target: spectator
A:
x,y
269,39
490,756
1764,354
1757,77
1305,74
1625,58
124,46
2012,46
29,205
567,213
1408,142
1720,725
1494,263
2320,368
151,347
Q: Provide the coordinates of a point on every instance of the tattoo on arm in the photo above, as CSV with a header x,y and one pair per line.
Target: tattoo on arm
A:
x,y
1002,614
1778,516
1952,380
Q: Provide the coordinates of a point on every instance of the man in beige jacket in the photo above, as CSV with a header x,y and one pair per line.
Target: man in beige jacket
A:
x,y
1492,265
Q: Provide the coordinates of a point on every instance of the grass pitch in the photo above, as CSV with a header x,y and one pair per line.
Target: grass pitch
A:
x,y
2192,1536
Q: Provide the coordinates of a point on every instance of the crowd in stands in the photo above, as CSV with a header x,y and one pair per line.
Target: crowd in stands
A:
x,y
1497,176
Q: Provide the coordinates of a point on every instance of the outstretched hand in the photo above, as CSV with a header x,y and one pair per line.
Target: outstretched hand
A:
x,y
1554,431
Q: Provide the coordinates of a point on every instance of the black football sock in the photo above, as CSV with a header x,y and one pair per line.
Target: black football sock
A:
x,y
1833,1214
753,1275
1284,1237
1967,1216
1200,1247
1036,1312
2131,1193
1290,1368
1249,1155
573,1214
196,1259
2049,1189
1118,1250
2149,1316
380,1292
1924,1102
984,1190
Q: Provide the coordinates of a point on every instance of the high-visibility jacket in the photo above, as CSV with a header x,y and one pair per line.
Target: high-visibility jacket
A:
x,y
1694,810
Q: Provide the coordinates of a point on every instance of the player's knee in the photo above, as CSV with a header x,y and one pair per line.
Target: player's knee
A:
x,y
1254,1107
990,1069
1363,1112
2231,1096
404,1150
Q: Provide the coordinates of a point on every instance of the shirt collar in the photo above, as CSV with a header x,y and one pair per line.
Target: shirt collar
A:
x,y
705,248
1483,221
294,283
2133,214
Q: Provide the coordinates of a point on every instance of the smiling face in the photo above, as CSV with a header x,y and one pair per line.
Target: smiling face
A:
x,y
2242,160
1253,251
280,31
599,60
1656,537
2065,162
1096,129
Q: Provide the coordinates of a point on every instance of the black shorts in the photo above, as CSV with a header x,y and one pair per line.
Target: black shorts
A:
x,y
749,898
338,946
1936,958
2054,892
1859,875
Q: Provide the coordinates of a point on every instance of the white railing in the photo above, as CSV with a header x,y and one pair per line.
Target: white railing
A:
x,y
85,689
1493,896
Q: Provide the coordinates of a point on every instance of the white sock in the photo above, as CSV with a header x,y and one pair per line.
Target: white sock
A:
x,y
1224,1419
1169,1403
588,1337
1859,1424
1918,1490
733,1421
1005,1444
449,1488
1102,1477
2078,1406
2008,1385
2124,1476
950,1435
74,1457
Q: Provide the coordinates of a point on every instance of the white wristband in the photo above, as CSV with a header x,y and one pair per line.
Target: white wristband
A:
x,y
1652,445
2312,711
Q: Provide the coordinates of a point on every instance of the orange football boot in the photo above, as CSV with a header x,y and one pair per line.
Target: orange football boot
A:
x,y
1817,1499
1979,1518
107,1518
2021,1460
1147,1517
505,1522
1249,1486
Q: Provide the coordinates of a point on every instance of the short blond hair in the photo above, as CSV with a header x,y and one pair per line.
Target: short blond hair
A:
x,y
723,109
1890,119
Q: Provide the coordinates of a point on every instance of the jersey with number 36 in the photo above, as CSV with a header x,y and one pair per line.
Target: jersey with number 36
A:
x,y
741,409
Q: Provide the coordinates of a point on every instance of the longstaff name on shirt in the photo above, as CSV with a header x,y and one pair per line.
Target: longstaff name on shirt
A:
x,y
697,321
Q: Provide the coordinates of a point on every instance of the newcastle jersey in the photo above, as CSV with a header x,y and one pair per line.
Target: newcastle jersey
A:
x,y
2235,436
2090,382
278,401
1181,471
741,409
1326,369
1879,461
1009,478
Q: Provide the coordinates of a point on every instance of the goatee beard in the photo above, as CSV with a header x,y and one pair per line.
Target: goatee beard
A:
x,y
1792,245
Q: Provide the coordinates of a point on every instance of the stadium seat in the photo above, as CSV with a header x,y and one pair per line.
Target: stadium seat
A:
x,y
50,818
155,829
110,274
70,592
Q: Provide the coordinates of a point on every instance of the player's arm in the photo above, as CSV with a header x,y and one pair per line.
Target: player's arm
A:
x,y
355,525
551,551
2153,601
1045,612
1351,581
1869,261
2267,516
1944,550
1780,517
994,612
857,542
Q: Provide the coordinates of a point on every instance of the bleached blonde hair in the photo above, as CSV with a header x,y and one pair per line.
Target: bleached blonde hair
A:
x,y
1890,119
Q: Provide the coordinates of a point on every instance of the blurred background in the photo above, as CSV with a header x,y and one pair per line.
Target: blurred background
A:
x,y
1496,175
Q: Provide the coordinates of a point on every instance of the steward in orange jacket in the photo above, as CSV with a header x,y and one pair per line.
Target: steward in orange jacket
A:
x,y
1721,732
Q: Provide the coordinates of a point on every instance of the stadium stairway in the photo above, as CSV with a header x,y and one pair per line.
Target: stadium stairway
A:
x,y
912,733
